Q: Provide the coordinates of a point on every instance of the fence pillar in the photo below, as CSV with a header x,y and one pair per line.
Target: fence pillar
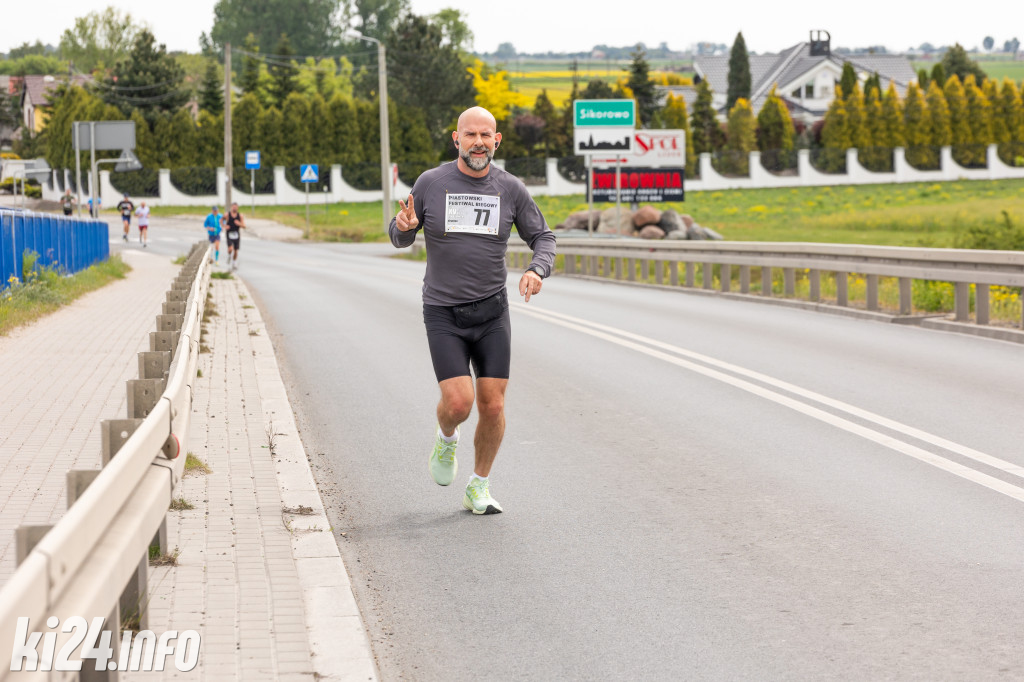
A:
x,y
89,672
163,341
691,272
872,296
789,281
962,300
570,265
659,272
842,289
726,281
154,364
630,269
981,303
814,278
906,296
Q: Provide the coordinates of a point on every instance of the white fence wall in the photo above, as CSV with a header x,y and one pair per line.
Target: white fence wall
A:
x,y
806,175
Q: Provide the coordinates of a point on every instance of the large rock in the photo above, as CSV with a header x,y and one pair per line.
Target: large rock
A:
x,y
671,222
578,220
676,234
711,234
695,231
688,221
646,215
651,232
612,223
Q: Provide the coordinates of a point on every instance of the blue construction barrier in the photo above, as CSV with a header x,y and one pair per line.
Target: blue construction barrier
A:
x,y
64,243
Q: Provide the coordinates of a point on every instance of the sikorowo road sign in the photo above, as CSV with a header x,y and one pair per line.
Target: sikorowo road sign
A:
x,y
309,172
604,113
252,160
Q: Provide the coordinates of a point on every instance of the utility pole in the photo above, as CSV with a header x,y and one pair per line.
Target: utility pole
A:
x,y
228,167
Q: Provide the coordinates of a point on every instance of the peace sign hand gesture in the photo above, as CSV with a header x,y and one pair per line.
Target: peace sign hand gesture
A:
x,y
406,219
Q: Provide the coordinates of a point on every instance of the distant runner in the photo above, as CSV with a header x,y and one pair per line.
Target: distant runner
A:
x,y
67,202
235,224
142,212
213,224
466,210
126,208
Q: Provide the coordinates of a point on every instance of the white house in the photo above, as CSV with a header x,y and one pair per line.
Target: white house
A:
x,y
805,75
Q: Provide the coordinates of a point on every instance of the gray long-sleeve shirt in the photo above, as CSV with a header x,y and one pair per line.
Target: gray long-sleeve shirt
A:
x,y
466,224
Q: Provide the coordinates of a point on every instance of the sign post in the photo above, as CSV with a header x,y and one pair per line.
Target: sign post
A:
x,y
252,164
308,173
601,126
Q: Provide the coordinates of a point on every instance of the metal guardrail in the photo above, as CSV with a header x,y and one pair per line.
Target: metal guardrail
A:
x,y
82,565
632,260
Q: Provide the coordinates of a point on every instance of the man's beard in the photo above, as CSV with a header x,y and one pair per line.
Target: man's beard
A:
x,y
476,164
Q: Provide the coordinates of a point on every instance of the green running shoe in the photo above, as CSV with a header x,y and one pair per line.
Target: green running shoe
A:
x,y
443,464
478,498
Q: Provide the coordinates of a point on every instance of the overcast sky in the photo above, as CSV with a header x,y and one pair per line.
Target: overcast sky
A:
x,y
560,26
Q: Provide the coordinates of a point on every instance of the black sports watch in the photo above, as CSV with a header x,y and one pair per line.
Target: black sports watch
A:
x,y
536,268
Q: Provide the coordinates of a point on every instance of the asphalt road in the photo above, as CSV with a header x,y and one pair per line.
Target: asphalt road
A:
x,y
694,488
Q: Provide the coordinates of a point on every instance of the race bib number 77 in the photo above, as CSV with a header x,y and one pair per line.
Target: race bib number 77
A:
x,y
473,213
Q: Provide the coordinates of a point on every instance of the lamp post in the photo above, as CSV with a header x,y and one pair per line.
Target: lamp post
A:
x,y
385,141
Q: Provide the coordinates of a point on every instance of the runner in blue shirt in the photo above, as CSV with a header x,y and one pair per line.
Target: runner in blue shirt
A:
x,y
213,224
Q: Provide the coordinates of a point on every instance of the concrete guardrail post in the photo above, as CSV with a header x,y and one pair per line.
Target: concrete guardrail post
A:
x,y
842,289
981,310
872,295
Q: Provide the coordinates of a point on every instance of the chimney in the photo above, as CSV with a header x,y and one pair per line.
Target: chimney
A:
x,y
820,46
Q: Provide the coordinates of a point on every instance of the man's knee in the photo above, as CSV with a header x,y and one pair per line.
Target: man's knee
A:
x,y
457,397
490,398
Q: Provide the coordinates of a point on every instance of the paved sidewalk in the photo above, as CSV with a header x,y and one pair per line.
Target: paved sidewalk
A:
x,y
59,378
259,574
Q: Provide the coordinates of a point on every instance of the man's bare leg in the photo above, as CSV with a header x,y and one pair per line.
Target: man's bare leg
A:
x,y
456,403
490,428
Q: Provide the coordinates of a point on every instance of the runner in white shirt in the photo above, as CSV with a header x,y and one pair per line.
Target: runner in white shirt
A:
x,y
142,213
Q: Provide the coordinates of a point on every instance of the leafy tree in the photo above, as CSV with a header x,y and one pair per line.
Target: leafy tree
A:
x,y
145,145
918,129
958,122
26,49
321,126
378,18
163,139
530,129
149,79
283,70
325,77
707,134
210,139
69,104
413,142
441,97
988,43
211,93
849,78
246,127
956,62
347,146
99,39
642,87
454,28
181,145
557,140
310,23
494,92
938,75
596,89
1011,46
296,130
675,117
271,123
739,72
33,65
505,52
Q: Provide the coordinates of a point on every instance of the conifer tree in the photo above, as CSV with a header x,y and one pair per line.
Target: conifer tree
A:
x,y
162,139
849,78
144,144
321,127
246,119
643,87
853,100
979,121
875,157
181,142
249,79
774,125
938,75
959,127
707,135
283,70
874,82
892,118
922,78
211,91
742,137
835,136
270,137
210,139
739,73
1000,129
938,115
347,148
1011,110
917,126
296,134
675,117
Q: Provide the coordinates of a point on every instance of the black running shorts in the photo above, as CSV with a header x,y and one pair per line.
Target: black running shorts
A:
x,y
488,346
234,243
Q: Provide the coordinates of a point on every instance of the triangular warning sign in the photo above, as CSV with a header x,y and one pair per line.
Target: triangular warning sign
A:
x,y
309,175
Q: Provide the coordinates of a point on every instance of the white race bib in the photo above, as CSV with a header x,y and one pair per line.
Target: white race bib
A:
x,y
473,213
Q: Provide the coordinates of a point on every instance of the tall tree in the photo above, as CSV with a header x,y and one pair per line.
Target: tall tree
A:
x,y
596,89
494,92
99,39
988,43
249,79
739,72
979,121
347,146
1000,132
938,75
182,148
856,121
419,46
211,92
848,78
210,139
321,126
271,123
557,140
675,117
835,137
938,116
148,79
742,136
642,86
378,18
707,134
454,28
918,129
893,132
956,62
312,24
876,156
956,99
246,127
283,70
296,130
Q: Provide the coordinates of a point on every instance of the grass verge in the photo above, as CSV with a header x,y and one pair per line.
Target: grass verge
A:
x,y
44,290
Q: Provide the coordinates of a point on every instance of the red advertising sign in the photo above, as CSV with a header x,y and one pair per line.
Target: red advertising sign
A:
x,y
638,184
652,149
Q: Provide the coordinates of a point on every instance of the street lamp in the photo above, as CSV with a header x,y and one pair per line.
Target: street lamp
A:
x,y
385,141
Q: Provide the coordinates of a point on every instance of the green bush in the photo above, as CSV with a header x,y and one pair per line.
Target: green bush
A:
x,y
32,188
1006,237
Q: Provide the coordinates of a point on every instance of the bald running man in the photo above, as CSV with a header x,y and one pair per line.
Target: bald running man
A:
x,y
466,210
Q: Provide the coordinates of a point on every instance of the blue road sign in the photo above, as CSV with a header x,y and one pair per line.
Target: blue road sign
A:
x,y
252,161
309,172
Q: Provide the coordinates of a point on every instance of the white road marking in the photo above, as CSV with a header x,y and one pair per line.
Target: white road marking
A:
x,y
633,341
